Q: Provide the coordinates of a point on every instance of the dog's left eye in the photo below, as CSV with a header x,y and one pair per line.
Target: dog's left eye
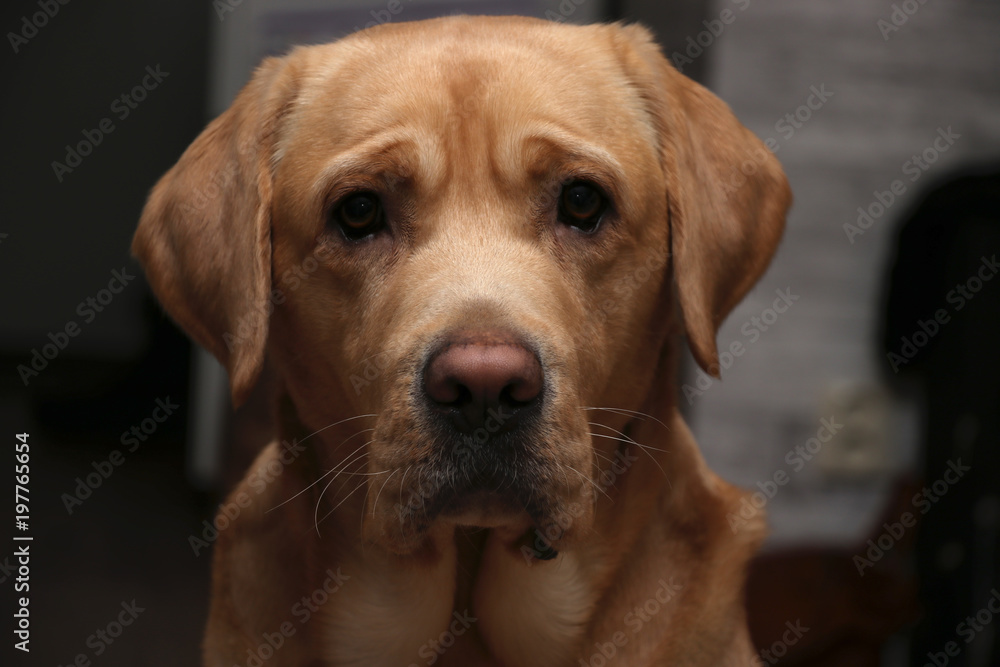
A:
x,y
359,215
582,205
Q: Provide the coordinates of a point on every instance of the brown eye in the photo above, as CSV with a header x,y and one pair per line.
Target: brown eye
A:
x,y
359,215
582,205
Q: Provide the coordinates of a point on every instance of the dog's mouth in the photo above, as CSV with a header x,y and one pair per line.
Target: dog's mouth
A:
x,y
522,521
516,498
470,497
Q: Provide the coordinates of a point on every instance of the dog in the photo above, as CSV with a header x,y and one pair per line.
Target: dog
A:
x,y
471,247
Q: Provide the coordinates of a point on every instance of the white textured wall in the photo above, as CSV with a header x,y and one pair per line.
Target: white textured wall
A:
x,y
890,96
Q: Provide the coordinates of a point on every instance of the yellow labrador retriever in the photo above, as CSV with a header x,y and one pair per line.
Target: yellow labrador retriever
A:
x,y
470,247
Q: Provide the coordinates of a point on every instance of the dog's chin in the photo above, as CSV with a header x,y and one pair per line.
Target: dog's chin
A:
x,y
512,517
505,489
482,509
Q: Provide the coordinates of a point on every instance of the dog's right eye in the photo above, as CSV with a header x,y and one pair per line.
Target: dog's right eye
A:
x,y
358,216
582,205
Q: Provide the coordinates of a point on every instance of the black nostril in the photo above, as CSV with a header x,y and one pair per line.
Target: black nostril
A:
x,y
507,397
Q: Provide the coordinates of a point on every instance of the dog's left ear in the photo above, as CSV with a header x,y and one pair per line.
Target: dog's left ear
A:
x,y
727,195
204,239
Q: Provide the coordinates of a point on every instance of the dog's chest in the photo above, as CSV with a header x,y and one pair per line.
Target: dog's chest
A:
x,y
529,615
387,615
532,613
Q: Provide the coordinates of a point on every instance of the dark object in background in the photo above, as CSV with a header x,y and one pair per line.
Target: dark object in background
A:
x,y
941,336
844,619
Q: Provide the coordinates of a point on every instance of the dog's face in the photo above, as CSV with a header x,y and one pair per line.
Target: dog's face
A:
x,y
473,224
472,229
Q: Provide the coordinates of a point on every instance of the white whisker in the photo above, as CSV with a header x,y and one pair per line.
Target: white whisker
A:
x,y
631,413
592,482
328,472
629,440
337,505
375,504
318,500
336,424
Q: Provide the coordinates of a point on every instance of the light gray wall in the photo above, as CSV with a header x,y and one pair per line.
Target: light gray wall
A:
x,y
889,98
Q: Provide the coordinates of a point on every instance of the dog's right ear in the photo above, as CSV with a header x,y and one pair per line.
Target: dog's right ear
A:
x,y
204,237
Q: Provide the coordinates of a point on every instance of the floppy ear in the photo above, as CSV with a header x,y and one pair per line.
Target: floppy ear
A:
x,y
204,236
727,195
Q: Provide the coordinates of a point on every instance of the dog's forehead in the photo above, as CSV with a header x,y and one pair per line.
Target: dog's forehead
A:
x,y
463,75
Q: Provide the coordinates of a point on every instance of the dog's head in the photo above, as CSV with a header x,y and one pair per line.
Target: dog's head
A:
x,y
475,230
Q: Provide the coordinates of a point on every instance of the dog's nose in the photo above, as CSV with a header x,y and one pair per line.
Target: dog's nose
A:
x,y
484,380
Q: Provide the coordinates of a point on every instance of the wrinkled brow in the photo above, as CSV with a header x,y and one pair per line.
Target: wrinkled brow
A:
x,y
550,148
387,157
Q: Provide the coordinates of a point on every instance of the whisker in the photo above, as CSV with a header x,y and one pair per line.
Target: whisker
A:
x,y
337,505
318,500
565,476
402,483
641,447
344,441
592,482
340,470
337,424
343,468
633,413
329,472
375,504
629,441
600,455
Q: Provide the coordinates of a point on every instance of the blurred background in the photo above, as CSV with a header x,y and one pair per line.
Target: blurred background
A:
x,y
863,407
